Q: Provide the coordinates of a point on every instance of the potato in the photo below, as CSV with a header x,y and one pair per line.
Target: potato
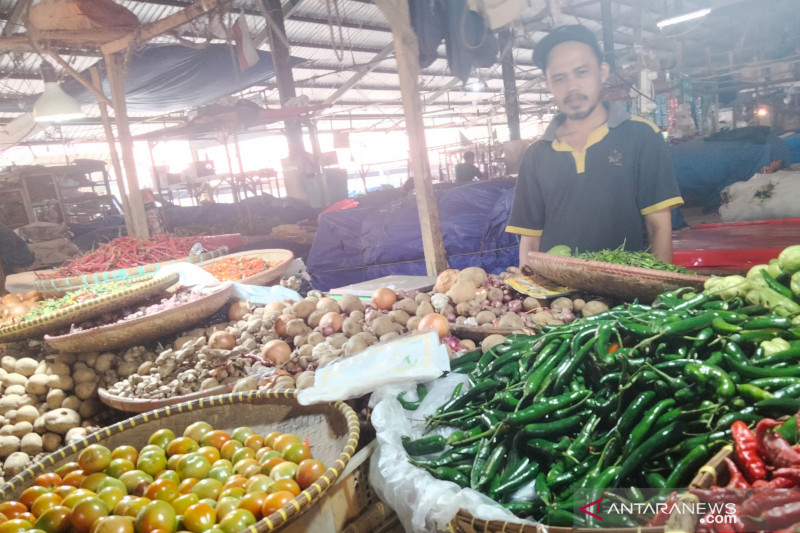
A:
x,y
84,375
58,369
476,275
38,384
304,380
399,316
350,303
27,413
59,382
8,445
39,426
16,463
89,358
408,305
19,390
26,366
542,317
51,442
357,315
484,317
559,304
297,327
413,323
577,304
351,347
104,362
9,402
469,344
595,307
62,420
55,398
7,429
491,340
422,297
180,342
300,340
469,309
462,291
12,378
314,318
328,304
337,340
71,402
530,303
21,429
86,390
445,280
315,338
245,384
389,336
306,350
8,363
303,308
75,435
425,308
352,326
66,358
511,320
382,325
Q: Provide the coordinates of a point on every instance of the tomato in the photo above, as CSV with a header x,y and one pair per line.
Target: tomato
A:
x,y
269,438
223,462
199,517
94,458
236,480
119,466
111,496
243,453
13,509
183,502
127,452
64,490
269,464
283,470
187,484
237,520
196,430
253,502
215,438
48,479
254,442
220,473
134,478
162,489
45,502
169,475
3,518
258,482
240,466
296,452
275,501
207,488
162,438
92,481
172,462
182,445
28,517
152,462
86,512
77,496
110,482
55,520
154,516
232,492
225,506
227,450
287,484
66,468
114,524
308,472
15,525
251,470
282,441
241,433
193,465
266,456
210,453
148,448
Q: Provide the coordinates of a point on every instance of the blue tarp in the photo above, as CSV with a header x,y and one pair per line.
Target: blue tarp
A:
x,y
793,142
361,244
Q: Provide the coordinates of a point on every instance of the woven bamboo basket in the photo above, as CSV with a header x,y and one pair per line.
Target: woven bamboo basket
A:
x,y
714,472
63,318
142,405
49,286
332,429
618,281
478,333
464,522
144,329
284,259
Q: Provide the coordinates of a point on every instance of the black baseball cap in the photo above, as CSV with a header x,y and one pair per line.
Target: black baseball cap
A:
x,y
563,34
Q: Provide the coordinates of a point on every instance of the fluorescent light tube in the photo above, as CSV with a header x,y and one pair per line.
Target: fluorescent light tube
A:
x,y
683,18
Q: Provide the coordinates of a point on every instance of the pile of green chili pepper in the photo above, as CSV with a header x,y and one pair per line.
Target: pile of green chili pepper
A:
x,y
619,256
638,396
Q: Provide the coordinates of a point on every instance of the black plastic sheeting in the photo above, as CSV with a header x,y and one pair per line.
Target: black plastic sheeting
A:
x,y
361,244
282,210
173,77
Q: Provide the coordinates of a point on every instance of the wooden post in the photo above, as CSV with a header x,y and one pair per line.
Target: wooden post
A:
x,y
112,149
608,33
509,84
156,177
407,55
138,218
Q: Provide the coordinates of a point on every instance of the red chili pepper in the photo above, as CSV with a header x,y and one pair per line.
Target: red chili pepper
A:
x,y
720,495
792,473
776,450
746,448
781,516
736,478
761,500
662,515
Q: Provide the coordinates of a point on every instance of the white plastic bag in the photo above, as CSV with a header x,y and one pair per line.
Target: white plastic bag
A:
x,y
422,503
762,197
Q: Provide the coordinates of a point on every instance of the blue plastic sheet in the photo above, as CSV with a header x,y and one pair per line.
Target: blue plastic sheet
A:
x,y
360,244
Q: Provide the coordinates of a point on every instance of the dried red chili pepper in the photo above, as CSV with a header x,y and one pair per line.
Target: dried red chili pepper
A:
x,y
761,500
778,452
746,447
720,495
662,515
781,516
792,473
737,480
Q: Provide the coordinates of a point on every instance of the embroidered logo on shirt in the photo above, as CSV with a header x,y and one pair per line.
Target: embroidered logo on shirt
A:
x,y
615,158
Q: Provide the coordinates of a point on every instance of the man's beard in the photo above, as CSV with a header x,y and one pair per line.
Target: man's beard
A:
x,y
581,115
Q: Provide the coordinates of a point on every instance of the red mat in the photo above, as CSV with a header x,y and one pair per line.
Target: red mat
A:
x,y
734,245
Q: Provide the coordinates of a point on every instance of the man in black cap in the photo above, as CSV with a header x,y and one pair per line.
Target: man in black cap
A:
x,y
599,177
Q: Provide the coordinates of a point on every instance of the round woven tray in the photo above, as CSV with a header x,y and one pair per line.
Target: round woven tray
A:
x,y
48,286
63,318
332,429
144,329
478,333
284,258
142,405
608,279
464,522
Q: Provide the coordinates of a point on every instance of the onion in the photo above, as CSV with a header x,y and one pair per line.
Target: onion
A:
x,y
238,310
280,324
506,297
11,299
384,298
221,340
275,307
451,317
481,292
32,295
331,322
276,351
435,322
515,306
18,310
452,342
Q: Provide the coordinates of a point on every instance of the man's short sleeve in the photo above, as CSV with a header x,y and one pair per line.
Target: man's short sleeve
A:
x,y
658,188
527,210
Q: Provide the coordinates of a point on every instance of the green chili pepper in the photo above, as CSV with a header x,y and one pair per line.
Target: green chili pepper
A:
x,y
708,440
656,480
646,450
789,430
547,449
776,286
688,325
558,427
752,393
792,391
492,464
479,464
771,384
543,407
634,411
725,388
720,326
780,322
641,429
422,391
791,356
749,371
688,465
535,380
425,445
778,406
524,474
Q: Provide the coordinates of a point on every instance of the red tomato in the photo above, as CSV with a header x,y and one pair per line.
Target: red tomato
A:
x,y
113,524
253,502
66,468
308,472
125,452
49,479
286,484
74,478
275,501
282,441
94,458
45,502
162,489
86,512
254,442
215,438
193,465
154,516
182,445
199,517
13,509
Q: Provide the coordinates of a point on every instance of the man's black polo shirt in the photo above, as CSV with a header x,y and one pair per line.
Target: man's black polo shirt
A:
x,y
596,198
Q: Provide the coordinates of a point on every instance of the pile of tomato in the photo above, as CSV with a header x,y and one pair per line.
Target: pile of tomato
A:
x,y
205,481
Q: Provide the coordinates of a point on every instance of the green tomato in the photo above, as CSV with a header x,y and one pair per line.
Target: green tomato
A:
x,y
237,520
